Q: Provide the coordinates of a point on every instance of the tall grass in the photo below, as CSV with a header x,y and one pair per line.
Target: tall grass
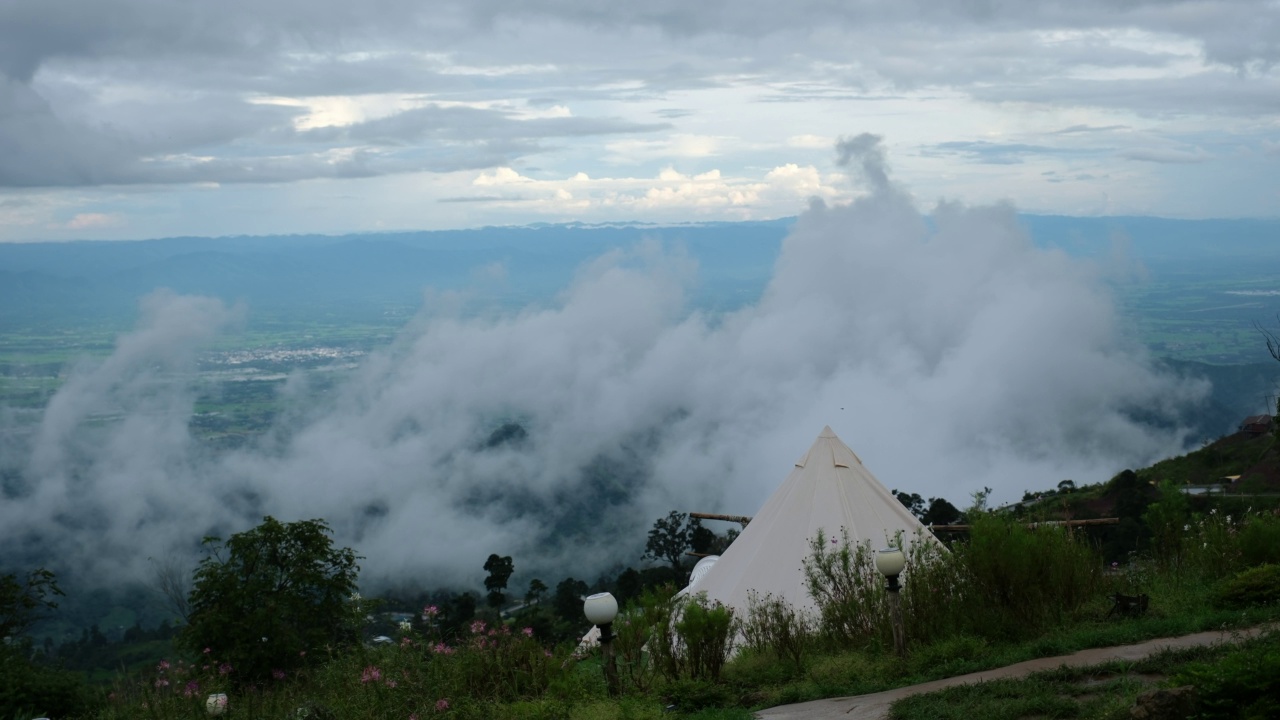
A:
x,y
1007,581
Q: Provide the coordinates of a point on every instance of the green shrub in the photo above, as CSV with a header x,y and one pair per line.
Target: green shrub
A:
x,y
642,644
1255,586
707,633
1243,684
775,627
1260,539
30,690
1025,579
850,594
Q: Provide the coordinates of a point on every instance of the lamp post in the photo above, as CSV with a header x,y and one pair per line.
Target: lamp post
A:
x,y
890,562
600,610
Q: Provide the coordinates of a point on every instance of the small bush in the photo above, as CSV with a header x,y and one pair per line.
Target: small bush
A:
x,y
774,627
707,634
850,594
1255,586
1260,539
29,690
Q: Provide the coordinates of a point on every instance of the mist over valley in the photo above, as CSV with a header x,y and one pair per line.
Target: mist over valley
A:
x,y
546,392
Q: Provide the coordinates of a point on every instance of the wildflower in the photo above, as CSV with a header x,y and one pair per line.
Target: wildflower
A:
x,y
224,668
391,683
477,627
192,688
528,632
405,626
406,642
430,611
207,651
164,665
442,649
1186,528
161,682
371,674
413,716
442,704
277,674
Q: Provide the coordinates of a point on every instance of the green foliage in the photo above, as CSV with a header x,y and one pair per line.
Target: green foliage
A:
x,y
567,601
706,631
1255,586
31,690
1005,581
773,626
643,644
281,597
670,537
500,569
1025,579
1243,684
536,590
23,602
1166,520
941,512
849,593
1260,539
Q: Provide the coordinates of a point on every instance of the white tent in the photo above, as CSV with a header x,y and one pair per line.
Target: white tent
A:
x,y
828,490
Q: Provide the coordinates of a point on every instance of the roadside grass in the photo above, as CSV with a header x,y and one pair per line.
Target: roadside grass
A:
x,y
1099,692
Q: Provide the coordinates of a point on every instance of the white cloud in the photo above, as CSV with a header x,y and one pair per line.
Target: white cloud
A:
x,y
85,221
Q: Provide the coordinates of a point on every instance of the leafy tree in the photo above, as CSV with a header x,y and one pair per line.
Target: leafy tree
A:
x,y
629,585
281,596
670,537
28,688
23,602
499,569
536,589
912,502
1067,486
941,512
567,601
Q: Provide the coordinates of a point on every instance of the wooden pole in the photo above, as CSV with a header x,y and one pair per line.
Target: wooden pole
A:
x,y
740,519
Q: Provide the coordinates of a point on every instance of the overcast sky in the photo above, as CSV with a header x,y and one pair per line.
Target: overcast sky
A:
x,y
147,118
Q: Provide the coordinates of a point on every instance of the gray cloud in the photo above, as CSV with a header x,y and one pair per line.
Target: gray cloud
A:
x,y
995,153
873,318
185,70
1166,155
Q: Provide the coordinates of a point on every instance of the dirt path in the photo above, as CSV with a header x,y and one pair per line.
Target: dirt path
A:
x,y
876,705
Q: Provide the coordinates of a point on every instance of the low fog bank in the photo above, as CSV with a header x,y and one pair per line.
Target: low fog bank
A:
x,y
949,353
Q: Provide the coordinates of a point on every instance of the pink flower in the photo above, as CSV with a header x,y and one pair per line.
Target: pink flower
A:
x,y
162,683
164,665
277,674
391,683
371,674
224,668
477,627
207,651
442,649
442,704
528,632
430,611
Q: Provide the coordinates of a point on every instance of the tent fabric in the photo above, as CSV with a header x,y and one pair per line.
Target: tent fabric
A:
x,y
829,490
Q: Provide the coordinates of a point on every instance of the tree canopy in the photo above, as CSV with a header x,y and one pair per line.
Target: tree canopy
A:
x,y
499,569
281,593
670,537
